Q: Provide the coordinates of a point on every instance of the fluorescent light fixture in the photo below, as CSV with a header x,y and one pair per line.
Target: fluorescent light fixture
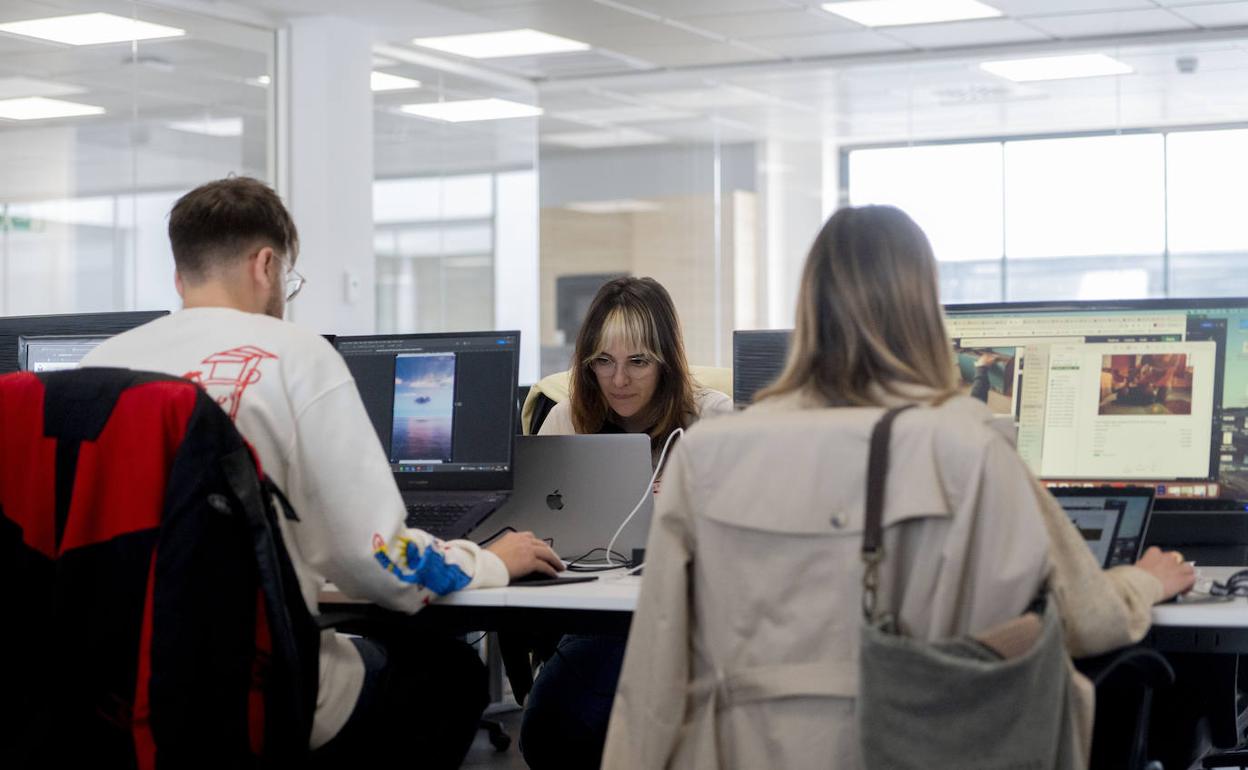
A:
x,y
496,45
1088,65
210,126
39,108
894,13
260,81
621,206
384,81
609,137
472,109
15,87
90,29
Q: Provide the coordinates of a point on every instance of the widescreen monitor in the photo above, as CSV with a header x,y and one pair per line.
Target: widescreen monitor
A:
x,y
443,405
50,342
1151,392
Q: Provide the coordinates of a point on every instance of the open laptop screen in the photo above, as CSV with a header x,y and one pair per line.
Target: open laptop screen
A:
x,y
443,405
1113,521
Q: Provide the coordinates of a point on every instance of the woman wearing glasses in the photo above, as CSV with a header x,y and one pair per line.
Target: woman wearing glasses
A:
x,y
629,375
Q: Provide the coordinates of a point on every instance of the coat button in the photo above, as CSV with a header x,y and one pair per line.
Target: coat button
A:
x,y
219,503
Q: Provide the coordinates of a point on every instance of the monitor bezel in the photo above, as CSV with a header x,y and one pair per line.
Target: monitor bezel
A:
x,y
454,480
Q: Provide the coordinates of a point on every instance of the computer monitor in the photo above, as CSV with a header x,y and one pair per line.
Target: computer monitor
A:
x,y
51,354
757,359
49,342
443,405
1141,392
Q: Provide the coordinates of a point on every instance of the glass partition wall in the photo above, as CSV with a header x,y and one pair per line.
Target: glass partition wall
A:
x,y
100,135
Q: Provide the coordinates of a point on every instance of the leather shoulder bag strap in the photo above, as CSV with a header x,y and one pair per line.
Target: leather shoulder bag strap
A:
x,y
873,527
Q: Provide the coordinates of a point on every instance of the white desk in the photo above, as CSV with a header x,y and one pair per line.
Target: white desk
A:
x,y
614,593
604,605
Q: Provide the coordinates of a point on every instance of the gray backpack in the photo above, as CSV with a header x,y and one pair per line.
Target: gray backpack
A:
x,y
998,701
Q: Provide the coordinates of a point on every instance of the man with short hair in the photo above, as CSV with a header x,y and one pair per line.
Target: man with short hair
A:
x,y
292,397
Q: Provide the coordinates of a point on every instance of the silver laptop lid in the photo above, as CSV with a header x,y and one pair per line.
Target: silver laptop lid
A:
x,y
578,490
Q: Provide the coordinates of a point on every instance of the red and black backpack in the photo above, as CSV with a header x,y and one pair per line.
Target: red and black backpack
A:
x,y
152,616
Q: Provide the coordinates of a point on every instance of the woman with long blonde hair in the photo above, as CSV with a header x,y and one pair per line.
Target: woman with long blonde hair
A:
x,y
743,648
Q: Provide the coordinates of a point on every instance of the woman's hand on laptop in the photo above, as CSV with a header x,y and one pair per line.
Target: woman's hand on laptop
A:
x,y
524,554
1176,575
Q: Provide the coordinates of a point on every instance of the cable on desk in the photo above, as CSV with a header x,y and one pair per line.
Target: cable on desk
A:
x,y
603,565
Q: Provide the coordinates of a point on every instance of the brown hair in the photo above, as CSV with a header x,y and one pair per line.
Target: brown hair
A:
x,y
216,223
640,311
868,312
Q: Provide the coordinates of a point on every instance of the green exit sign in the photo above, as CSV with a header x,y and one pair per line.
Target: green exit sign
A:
x,y
17,224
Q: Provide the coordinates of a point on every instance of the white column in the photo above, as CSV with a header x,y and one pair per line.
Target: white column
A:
x,y
790,176
328,181
516,267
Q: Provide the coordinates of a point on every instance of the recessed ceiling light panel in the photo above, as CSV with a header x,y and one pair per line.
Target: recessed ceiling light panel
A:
x,y
894,13
384,81
496,45
90,29
210,126
470,110
1088,65
610,137
39,108
620,206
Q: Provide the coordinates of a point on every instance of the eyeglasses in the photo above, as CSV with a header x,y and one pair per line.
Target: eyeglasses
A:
x,y
634,366
294,280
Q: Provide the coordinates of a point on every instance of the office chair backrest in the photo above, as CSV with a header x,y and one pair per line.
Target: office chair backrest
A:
x,y
149,620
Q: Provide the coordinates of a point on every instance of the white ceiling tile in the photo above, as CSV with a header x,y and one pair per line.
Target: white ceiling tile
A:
x,y
837,44
644,34
981,32
1116,23
1180,3
1022,8
679,8
1216,15
694,55
772,24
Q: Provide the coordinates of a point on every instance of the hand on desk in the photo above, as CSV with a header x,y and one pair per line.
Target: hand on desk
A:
x,y
1176,576
523,554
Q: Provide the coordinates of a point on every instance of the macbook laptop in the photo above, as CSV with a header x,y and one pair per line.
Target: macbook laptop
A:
x,y
577,490
1113,520
443,406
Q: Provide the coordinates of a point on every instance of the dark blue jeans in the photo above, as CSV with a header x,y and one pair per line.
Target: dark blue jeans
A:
x,y
425,694
566,715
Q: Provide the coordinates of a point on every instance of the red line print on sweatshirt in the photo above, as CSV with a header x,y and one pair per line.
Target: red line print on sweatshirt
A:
x,y
229,374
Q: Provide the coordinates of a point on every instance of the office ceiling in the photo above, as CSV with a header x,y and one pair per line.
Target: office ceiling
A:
x,y
677,71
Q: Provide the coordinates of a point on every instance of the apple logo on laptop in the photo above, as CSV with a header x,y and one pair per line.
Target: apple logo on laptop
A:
x,y
554,501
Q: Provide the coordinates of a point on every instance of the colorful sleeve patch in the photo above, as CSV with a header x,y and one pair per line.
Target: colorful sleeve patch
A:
x,y
429,569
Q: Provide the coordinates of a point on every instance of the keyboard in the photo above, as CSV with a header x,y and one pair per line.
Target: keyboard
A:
x,y
451,515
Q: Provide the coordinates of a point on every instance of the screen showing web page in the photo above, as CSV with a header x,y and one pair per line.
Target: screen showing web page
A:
x,y
1155,396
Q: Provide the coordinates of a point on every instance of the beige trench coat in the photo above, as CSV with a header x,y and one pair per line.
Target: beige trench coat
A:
x,y
743,649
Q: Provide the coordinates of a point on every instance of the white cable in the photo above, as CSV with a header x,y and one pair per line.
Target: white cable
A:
x,y
649,491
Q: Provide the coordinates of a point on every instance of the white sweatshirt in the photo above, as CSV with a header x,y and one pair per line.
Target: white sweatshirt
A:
x,y
294,400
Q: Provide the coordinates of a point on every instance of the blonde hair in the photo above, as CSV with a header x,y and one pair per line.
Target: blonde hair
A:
x,y
868,313
631,326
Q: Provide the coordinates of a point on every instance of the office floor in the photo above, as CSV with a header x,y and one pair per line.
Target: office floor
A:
x,y
482,755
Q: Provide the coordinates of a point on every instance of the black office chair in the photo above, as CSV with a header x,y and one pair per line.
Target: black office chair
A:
x,y
1126,681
